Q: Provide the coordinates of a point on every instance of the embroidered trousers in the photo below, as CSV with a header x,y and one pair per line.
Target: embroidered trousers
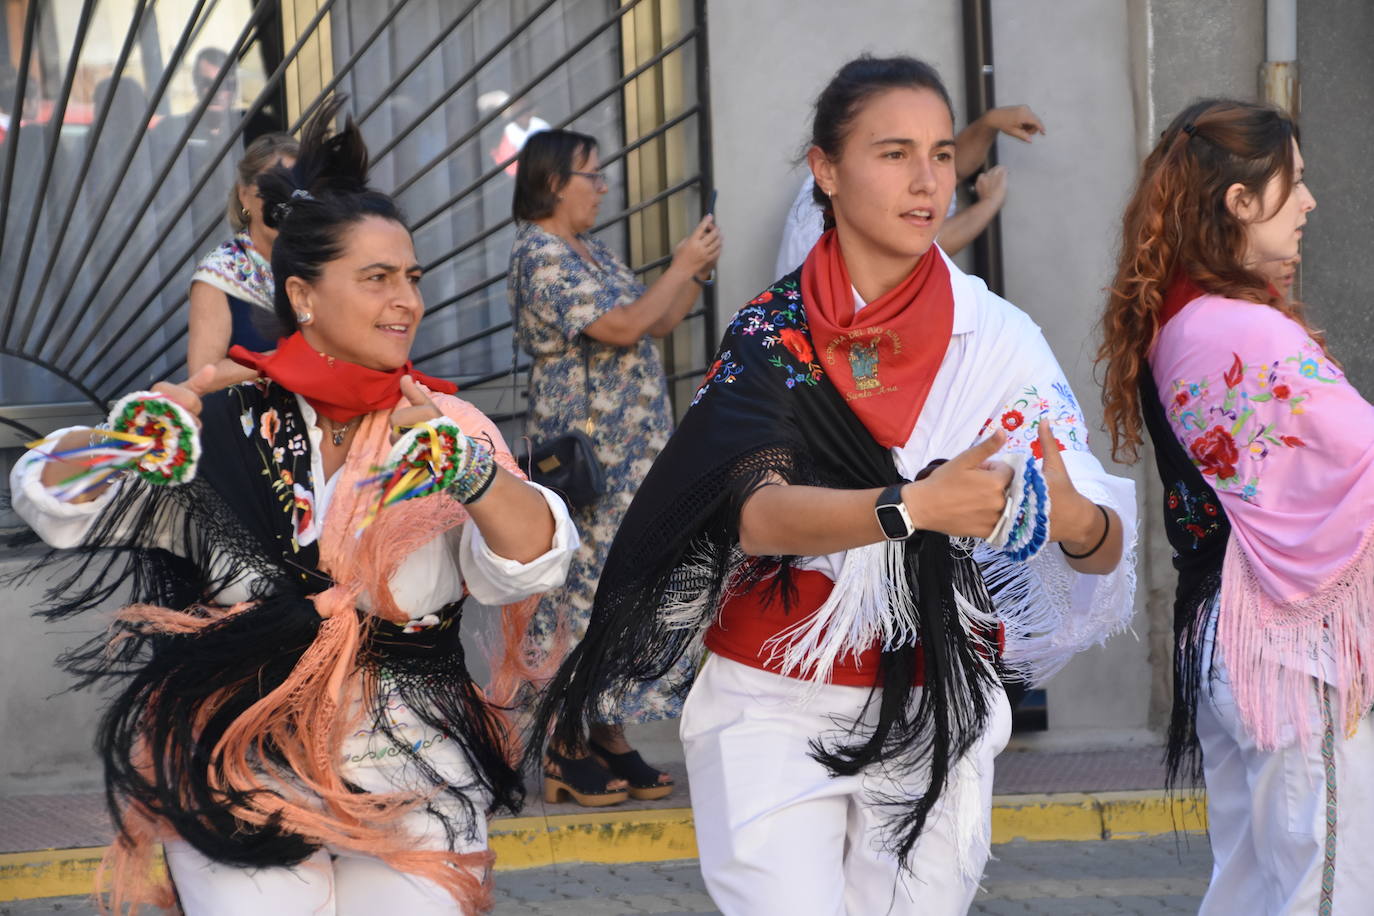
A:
x,y
1267,814
778,835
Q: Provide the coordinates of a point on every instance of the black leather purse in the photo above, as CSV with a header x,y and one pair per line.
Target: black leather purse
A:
x,y
566,464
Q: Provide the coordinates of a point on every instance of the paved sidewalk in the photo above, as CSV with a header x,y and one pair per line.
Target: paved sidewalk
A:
x,y
32,822
1157,876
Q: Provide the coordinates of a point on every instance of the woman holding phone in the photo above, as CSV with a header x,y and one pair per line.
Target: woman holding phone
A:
x,y
817,520
590,326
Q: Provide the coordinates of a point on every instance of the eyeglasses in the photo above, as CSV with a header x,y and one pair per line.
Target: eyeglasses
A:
x,y
597,178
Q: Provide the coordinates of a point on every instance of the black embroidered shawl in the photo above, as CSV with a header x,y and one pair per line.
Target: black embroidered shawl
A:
x,y
1197,528
767,408
248,515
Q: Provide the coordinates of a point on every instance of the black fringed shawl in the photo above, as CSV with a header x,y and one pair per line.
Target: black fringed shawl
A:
x,y
767,408
247,517
1195,523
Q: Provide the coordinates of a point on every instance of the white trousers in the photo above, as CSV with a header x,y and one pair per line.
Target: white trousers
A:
x,y
1266,812
336,882
778,835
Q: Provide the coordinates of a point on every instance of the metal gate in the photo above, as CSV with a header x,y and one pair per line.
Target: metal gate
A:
x,y
122,121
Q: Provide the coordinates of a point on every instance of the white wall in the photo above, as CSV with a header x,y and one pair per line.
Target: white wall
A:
x,y
769,61
1070,60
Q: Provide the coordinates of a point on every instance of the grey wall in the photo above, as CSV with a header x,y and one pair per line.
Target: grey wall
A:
x,y
1070,60
769,60
1336,67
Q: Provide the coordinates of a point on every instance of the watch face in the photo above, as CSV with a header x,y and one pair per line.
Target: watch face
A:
x,y
894,525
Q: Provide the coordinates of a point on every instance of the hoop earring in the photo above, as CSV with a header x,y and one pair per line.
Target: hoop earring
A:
x,y
303,317
245,215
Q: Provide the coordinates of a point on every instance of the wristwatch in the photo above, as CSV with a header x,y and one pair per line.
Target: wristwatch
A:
x,y
892,514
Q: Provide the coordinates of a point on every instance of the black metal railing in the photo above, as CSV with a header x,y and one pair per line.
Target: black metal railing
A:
x,y
101,227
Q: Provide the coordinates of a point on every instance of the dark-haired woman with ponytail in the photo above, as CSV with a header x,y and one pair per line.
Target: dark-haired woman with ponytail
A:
x,y
293,717
854,517
1266,454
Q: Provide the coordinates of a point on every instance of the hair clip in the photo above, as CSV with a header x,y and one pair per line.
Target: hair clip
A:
x,y
302,194
281,211
1190,128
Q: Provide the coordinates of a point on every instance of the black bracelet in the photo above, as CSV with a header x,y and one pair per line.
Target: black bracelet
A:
x,y
1106,529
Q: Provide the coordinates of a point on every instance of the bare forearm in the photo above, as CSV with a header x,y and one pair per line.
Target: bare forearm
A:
x,y
1085,532
683,294
514,518
661,306
971,148
780,520
966,225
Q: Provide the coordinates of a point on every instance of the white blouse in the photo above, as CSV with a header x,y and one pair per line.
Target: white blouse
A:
x,y
430,577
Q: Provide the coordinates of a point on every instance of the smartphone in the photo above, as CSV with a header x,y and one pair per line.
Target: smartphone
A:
x,y
711,204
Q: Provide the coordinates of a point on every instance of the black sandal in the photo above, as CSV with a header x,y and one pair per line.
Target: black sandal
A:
x,y
629,766
585,779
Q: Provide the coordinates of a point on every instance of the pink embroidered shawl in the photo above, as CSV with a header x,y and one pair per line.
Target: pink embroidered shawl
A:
x,y
1288,445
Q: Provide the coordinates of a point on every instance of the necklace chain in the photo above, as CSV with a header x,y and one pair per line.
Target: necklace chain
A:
x,y
338,432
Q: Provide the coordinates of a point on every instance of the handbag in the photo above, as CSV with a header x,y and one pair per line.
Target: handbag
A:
x,y
566,464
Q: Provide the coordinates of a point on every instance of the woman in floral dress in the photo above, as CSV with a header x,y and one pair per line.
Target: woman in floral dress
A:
x,y
588,322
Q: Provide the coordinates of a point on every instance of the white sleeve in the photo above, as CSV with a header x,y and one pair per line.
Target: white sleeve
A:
x,y
495,580
1050,610
803,228
59,524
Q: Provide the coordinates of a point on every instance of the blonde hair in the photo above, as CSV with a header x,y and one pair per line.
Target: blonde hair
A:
x,y
261,155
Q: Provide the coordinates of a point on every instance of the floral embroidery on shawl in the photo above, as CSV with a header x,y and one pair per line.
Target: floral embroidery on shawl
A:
x,y
237,269
1232,422
1020,419
280,443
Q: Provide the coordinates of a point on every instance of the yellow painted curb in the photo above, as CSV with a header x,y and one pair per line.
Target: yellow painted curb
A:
x,y
663,834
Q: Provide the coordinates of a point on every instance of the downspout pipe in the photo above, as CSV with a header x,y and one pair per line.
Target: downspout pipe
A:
x,y
978,84
1279,73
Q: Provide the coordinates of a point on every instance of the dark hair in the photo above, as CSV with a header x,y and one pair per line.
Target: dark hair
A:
x,y
546,163
261,154
315,201
849,89
1177,221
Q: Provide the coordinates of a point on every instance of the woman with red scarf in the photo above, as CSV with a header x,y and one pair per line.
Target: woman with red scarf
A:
x,y
830,519
294,720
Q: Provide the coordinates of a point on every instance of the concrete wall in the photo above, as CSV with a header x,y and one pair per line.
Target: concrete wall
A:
x,y
1336,68
1070,61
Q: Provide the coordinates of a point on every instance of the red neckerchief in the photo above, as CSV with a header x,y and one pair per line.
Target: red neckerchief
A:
x,y
884,359
336,388
1180,292
1183,289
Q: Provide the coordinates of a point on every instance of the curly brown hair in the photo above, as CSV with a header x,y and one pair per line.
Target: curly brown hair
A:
x,y
1177,222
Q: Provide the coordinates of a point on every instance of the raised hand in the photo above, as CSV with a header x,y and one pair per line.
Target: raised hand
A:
x,y
187,394
1015,121
964,496
1073,517
700,250
419,408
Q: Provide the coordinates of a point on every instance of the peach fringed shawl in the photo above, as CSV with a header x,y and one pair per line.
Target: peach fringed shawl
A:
x,y
1288,445
309,715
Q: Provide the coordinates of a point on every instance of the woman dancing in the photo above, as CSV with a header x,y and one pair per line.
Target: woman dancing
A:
x,y
1266,454
294,719
840,737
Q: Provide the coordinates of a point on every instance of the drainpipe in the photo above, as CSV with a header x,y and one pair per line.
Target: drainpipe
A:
x,y
1279,72
987,248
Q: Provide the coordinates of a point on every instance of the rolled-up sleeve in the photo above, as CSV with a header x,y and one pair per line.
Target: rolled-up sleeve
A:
x,y
494,579
59,524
